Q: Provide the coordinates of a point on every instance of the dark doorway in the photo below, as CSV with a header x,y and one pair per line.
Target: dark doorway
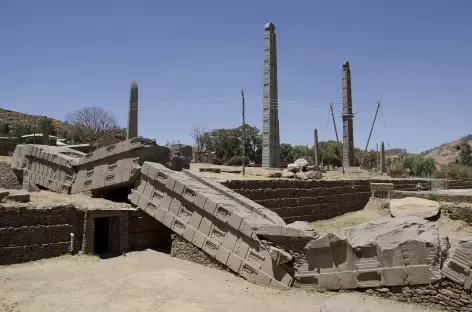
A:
x,y
102,235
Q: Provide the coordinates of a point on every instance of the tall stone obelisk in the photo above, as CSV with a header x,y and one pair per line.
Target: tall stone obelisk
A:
x,y
133,111
317,153
348,135
270,115
382,157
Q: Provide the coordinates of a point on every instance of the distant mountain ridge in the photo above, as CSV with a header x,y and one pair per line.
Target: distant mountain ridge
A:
x,y
447,152
13,118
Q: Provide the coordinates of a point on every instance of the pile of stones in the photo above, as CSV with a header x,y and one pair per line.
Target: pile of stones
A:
x,y
300,170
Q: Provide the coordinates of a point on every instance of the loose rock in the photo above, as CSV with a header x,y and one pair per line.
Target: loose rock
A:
x,y
412,206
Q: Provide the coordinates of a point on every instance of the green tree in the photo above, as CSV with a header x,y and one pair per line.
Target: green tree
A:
x,y
46,124
298,151
419,165
227,143
465,157
285,152
330,152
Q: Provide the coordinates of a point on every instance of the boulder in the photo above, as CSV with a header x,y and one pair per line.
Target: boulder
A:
x,y
413,206
279,256
293,168
287,174
310,174
301,163
397,248
318,175
274,174
17,195
301,176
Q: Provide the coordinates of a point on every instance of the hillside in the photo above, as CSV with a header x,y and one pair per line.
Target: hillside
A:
x,y
14,118
446,153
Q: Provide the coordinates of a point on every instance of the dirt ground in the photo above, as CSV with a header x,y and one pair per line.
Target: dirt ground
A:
x,y
153,281
454,229
253,173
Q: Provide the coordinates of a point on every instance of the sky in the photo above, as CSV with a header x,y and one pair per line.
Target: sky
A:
x,y
191,59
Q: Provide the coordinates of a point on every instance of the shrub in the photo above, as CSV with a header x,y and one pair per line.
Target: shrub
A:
x,y
238,160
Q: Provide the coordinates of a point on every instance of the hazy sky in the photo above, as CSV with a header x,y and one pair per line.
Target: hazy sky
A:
x,y
192,58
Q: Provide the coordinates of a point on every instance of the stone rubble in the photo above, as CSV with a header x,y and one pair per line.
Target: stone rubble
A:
x,y
218,227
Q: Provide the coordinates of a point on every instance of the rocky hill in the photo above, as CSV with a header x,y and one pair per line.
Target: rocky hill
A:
x,y
446,153
13,118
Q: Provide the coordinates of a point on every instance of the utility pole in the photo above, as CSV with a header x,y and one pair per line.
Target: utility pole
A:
x,y
373,123
336,131
334,121
244,132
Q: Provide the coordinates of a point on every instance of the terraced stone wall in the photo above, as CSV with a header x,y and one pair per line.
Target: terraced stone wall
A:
x,y
32,234
305,200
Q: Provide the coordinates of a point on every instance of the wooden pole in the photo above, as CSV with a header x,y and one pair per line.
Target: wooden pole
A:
x,y
244,133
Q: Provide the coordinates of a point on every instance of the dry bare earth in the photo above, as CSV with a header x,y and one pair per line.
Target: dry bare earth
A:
x,y
446,154
253,173
152,281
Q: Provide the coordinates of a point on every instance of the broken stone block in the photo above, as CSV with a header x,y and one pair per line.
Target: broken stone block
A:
x,y
3,194
293,168
413,206
287,174
301,176
301,163
389,252
279,256
212,218
457,268
18,196
274,174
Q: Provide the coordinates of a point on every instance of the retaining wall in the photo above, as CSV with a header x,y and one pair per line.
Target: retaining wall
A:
x,y
305,200
146,232
445,295
405,184
32,234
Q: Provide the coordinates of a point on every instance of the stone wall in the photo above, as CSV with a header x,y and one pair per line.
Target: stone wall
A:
x,y
305,200
453,198
32,234
182,249
458,184
444,295
8,179
405,184
146,232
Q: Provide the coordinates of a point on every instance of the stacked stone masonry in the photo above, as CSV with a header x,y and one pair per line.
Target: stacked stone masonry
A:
x,y
213,222
305,200
33,234
444,295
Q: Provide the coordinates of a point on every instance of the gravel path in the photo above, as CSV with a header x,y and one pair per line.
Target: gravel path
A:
x,y
152,281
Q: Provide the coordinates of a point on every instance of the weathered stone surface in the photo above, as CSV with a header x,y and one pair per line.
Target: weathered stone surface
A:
x,y
457,267
17,195
412,206
287,174
209,217
301,176
301,163
318,175
279,256
3,194
388,252
274,174
293,168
